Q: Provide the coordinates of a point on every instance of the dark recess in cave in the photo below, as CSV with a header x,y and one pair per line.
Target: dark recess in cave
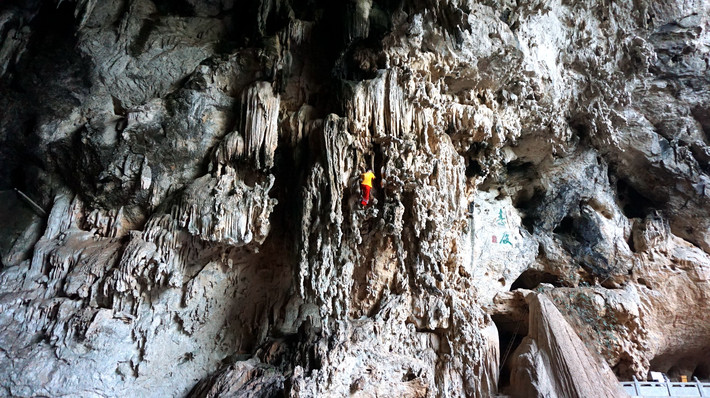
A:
x,y
691,362
531,278
512,329
632,203
52,81
565,227
289,171
509,342
363,57
702,115
528,222
579,127
519,167
180,8
137,46
361,61
528,207
473,169
702,371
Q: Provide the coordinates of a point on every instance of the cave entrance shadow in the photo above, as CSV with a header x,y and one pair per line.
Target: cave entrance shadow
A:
x,y
691,362
510,336
532,278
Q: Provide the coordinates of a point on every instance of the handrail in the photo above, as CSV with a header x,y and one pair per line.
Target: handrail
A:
x,y
700,386
666,388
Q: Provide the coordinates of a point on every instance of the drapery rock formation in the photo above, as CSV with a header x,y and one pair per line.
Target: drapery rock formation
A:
x,y
180,203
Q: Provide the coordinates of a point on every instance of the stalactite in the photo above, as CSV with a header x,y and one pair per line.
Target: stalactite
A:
x,y
259,112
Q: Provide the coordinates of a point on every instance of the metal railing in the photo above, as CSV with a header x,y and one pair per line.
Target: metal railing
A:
x,y
666,388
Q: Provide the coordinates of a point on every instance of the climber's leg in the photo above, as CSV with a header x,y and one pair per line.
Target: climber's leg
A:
x,y
365,194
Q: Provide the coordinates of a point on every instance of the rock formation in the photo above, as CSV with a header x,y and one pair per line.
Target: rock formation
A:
x,y
181,209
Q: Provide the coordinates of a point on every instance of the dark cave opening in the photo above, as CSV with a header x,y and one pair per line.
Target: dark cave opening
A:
x,y
702,116
276,21
509,341
578,125
305,10
580,234
48,80
702,371
528,206
180,8
52,57
290,172
565,227
632,203
18,178
512,326
532,278
690,360
138,45
518,167
361,61
473,157
473,169
528,222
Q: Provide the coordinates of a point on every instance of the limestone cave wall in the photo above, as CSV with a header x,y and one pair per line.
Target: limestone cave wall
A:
x,y
179,200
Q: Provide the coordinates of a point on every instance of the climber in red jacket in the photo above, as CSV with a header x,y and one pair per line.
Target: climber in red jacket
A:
x,y
365,186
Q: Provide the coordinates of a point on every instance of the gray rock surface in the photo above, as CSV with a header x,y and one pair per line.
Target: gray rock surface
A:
x,y
198,164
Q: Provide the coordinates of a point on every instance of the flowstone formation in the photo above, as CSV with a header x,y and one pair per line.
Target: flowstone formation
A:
x,y
181,213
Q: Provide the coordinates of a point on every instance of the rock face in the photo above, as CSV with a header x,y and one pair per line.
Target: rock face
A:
x,y
553,361
541,200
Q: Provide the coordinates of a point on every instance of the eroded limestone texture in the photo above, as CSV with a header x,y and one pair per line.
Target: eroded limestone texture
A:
x,y
197,164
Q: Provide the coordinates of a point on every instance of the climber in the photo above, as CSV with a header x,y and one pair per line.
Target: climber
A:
x,y
366,185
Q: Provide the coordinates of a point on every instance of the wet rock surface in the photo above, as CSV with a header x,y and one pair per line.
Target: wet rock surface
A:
x,y
190,220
